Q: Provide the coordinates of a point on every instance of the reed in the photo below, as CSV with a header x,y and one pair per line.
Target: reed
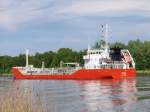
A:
x,y
19,101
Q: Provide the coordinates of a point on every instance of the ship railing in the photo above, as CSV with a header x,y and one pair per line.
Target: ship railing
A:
x,y
50,71
112,66
115,62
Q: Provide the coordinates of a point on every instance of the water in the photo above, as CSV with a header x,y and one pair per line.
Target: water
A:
x,y
107,95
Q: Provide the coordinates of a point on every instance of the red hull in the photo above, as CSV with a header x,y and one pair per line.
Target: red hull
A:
x,y
80,74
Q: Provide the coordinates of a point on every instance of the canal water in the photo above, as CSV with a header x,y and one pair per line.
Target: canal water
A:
x,y
107,95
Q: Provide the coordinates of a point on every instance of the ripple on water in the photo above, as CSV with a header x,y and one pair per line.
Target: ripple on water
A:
x,y
128,95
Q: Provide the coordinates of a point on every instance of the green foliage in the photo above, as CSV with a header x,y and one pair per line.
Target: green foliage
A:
x,y
118,45
51,59
141,53
99,44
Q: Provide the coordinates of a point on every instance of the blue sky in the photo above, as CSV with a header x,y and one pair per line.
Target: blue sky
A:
x,y
43,25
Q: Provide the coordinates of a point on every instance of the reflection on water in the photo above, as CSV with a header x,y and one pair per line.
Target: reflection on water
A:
x,y
108,95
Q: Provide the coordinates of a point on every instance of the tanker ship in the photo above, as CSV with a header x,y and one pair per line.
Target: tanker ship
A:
x,y
102,62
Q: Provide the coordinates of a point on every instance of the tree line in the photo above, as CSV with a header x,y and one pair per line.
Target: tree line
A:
x,y
140,51
50,59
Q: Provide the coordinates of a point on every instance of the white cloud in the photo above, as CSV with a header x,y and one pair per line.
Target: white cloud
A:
x,y
108,7
16,13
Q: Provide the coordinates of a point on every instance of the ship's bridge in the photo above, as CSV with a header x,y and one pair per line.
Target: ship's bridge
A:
x,y
95,57
108,58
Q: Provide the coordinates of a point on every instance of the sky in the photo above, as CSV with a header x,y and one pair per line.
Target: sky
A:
x,y
44,25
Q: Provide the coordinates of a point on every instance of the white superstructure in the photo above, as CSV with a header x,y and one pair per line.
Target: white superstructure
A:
x,y
104,57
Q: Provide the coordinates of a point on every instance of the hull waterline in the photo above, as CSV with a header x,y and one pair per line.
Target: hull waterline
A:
x,y
82,74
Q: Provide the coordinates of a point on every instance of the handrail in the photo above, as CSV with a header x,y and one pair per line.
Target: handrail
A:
x,y
50,71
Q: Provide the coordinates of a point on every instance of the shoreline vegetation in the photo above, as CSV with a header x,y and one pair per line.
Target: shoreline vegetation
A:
x,y
6,75
19,100
143,72
140,50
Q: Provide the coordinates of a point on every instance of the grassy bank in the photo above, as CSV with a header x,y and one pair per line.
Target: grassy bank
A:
x,y
143,72
6,75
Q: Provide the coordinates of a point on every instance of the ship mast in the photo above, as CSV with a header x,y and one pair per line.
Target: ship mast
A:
x,y
106,37
27,58
104,44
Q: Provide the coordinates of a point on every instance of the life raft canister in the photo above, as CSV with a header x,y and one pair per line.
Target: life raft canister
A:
x,y
127,58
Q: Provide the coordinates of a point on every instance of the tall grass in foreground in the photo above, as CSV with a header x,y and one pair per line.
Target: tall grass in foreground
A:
x,y
19,101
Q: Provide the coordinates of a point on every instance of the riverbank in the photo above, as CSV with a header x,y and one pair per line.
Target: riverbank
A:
x,y
6,75
143,72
